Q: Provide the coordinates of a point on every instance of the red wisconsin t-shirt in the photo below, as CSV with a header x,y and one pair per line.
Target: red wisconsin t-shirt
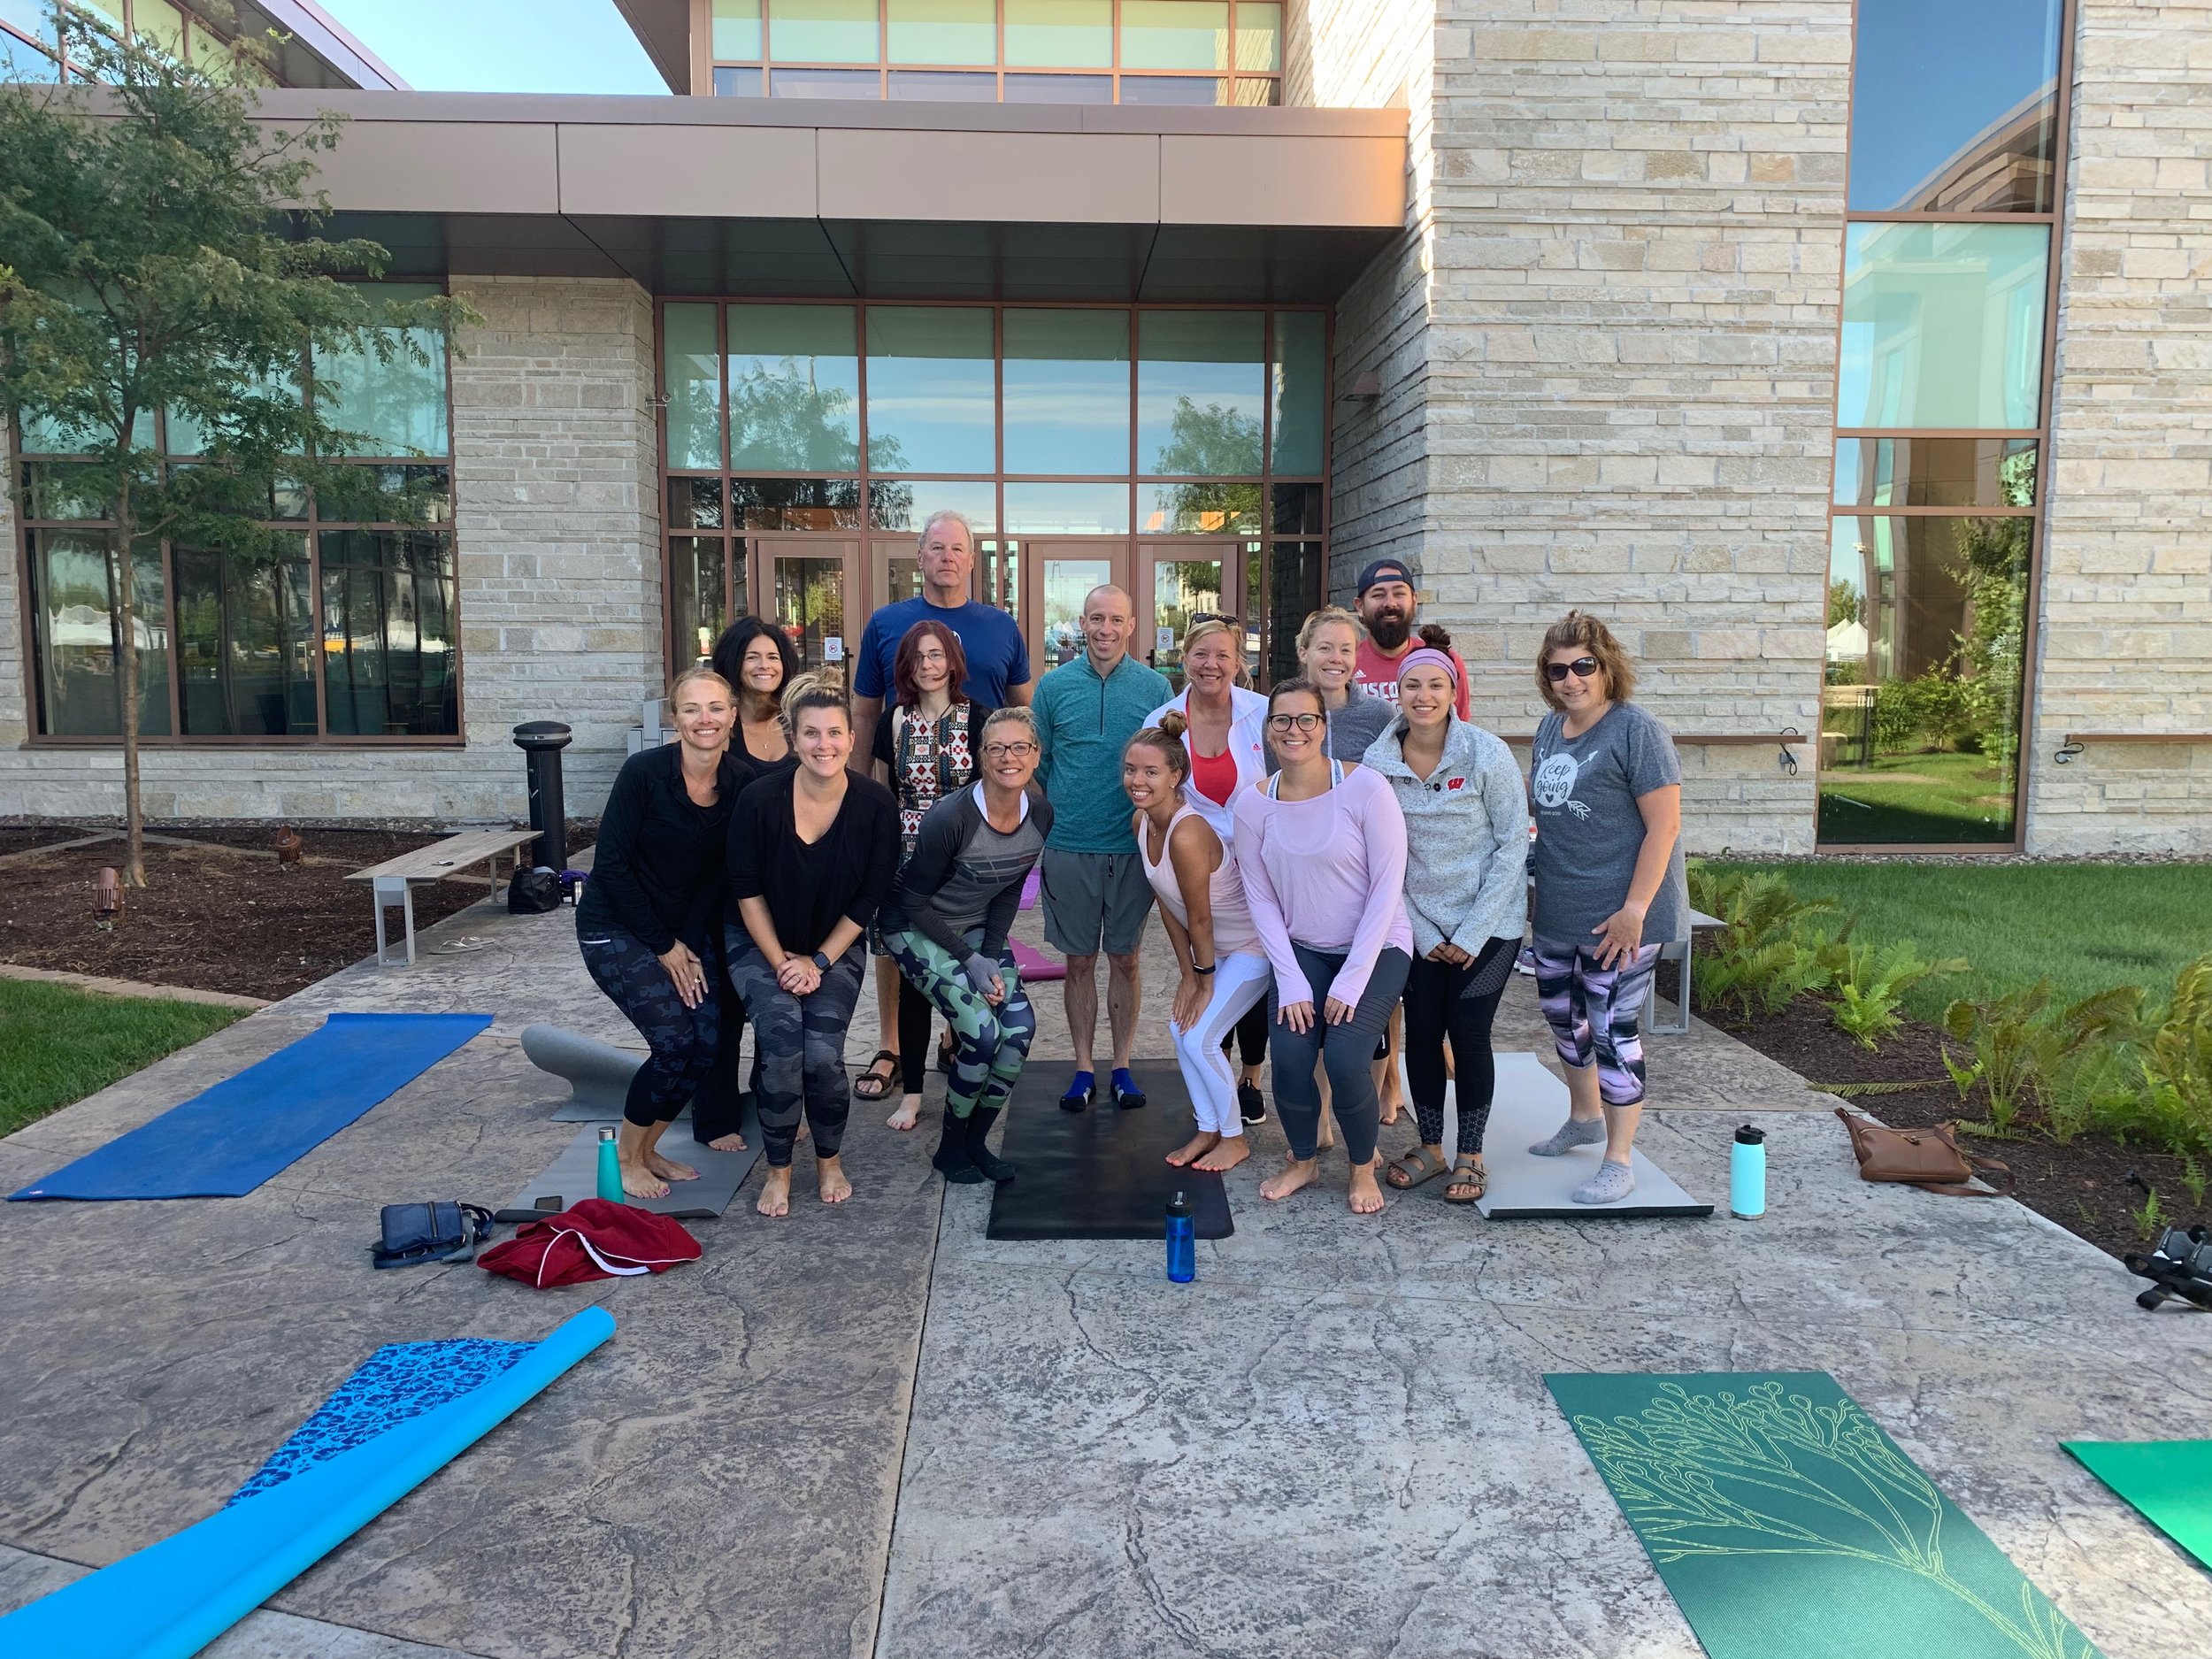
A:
x,y
1378,674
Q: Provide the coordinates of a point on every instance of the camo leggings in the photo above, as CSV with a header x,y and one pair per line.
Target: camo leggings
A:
x,y
801,1044
1595,1013
989,1044
683,1039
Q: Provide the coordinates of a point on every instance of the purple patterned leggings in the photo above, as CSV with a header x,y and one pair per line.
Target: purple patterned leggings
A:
x,y
1594,1013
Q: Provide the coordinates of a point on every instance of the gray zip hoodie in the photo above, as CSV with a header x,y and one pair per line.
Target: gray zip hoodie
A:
x,y
1466,838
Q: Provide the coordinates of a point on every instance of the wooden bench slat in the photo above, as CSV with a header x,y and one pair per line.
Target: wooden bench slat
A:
x,y
453,856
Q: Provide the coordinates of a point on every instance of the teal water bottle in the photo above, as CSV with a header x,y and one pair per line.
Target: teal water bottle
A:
x,y
1182,1244
1748,1174
610,1169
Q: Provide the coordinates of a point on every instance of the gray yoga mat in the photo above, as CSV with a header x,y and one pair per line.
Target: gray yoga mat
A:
x,y
1530,1103
575,1175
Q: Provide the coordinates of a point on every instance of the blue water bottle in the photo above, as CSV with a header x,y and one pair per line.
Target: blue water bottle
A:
x,y
610,1169
1748,1174
1182,1244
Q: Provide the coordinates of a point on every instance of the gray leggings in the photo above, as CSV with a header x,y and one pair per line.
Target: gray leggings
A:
x,y
1346,1051
800,1041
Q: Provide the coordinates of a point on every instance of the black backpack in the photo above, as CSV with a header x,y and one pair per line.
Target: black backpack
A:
x,y
534,892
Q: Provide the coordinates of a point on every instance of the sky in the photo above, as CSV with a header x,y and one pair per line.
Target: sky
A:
x,y
501,45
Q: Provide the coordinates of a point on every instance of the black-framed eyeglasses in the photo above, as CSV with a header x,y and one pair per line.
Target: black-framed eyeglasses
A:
x,y
1581,668
1008,751
1296,722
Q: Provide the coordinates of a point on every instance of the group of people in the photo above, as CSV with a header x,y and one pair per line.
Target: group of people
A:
x,y
1343,868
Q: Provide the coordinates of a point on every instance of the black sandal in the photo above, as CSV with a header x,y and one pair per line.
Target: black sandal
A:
x,y
872,1084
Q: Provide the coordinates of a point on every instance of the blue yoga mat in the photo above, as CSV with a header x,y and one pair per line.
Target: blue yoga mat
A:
x,y
226,1142
171,1599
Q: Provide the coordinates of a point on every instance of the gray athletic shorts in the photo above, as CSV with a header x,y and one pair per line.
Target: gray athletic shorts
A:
x,y
1093,901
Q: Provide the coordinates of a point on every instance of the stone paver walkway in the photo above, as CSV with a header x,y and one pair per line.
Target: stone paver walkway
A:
x,y
867,1430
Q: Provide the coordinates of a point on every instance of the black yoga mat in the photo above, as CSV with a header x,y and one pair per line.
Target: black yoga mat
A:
x,y
1100,1173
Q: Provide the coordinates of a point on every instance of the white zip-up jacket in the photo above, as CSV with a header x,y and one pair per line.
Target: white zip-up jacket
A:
x,y
1248,741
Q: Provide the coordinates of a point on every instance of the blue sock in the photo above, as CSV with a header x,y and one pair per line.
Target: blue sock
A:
x,y
1083,1085
1124,1084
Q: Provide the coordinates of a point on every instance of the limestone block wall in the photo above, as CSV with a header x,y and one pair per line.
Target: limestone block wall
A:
x,y
2125,637
558,532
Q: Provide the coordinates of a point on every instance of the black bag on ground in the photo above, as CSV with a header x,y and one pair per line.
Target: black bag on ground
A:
x,y
437,1232
534,892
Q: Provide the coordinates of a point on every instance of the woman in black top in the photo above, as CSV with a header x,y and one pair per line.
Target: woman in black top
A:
x,y
757,658
645,923
812,851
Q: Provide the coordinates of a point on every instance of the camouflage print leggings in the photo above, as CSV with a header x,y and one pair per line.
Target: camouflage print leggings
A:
x,y
988,1044
801,1044
682,1039
1595,1014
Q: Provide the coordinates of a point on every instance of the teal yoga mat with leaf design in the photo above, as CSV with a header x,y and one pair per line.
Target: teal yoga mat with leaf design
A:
x,y
1786,1525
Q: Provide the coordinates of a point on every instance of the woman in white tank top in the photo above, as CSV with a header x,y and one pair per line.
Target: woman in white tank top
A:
x,y
1225,968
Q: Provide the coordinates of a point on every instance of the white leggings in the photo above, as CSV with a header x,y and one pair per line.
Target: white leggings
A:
x,y
1239,980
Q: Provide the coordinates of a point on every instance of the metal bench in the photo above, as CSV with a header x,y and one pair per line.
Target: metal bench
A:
x,y
392,882
1681,950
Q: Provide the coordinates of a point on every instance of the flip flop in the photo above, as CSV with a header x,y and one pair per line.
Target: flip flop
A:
x,y
881,1081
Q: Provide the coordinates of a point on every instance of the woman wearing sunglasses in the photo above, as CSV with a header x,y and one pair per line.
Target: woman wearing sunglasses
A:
x,y
1321,847
1609,886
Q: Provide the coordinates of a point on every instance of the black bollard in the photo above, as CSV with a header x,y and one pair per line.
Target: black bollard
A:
x,y
541,743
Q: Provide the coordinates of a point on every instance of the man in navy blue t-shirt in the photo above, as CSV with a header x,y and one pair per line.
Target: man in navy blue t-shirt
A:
x,y
998,675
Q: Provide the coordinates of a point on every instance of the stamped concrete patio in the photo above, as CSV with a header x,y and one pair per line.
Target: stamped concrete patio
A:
x,y
867,1430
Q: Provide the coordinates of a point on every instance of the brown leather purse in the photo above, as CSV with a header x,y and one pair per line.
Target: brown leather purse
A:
x,y
1930,1159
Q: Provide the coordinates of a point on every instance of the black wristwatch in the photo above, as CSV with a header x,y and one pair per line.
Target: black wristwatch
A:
x,y
1195,968
821,963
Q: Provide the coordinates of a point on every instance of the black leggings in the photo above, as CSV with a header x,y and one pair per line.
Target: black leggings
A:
x,y
915,1014
1458,1002
1249,1034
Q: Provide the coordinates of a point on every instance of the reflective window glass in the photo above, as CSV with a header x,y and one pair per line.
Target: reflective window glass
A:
x,y
691,380
822,31
944,86
906,504
1182,590
77,642
1297,509
1173,89
1174,34
1259,95
1198,510
246,645
1067,509
1067,582
1298,382
1954,105
943,31
738,83
1259,35
1067,391
737,30
1200,388
35,18
695,504
1935,472
930,389
20,61
59,489
695,601
397,407
825,83
808,598
1920,724
1060,33
387,646
160,24
796,504
184,435
1942,325
1295,573
1058,88
794,389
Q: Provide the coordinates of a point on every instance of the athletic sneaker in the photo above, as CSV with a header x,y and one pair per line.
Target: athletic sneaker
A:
x,y
1251,1104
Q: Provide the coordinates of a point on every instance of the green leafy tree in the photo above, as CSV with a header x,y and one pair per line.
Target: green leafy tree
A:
x,y
1215,441
163,259
1844,604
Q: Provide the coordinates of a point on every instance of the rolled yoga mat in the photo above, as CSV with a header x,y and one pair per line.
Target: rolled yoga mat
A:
x,y
171,1599
598,1073
1528,1105
575,1175
224,1142
1100,1173
1786,1525
2168,1482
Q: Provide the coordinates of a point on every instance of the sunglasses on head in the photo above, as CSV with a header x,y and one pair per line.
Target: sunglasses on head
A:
x,y
1581,668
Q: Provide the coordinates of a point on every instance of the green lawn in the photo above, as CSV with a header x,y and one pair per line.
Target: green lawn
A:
x,y
2087,926
1955,798
59,1044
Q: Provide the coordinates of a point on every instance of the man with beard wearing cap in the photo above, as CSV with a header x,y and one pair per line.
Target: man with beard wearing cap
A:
x,y
1391,609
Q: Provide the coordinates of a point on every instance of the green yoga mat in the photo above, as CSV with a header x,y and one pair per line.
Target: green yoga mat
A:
x,y
2168,1481
1786,1525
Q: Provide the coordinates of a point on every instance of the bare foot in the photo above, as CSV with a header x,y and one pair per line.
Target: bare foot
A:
x,y
831,1174
730,1142
775,1193
1231,1152
640,1182
669,1170
1390,1108
1325,1137
1194,1149
1367,1198
1294,1175
909,1110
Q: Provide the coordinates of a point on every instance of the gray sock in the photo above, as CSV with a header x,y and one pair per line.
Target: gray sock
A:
x,y
1613,1181
1569,1135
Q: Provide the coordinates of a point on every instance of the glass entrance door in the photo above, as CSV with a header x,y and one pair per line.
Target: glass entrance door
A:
x,y
1177,582
1057,575
810,586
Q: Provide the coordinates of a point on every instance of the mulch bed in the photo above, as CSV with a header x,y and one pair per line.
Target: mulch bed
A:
x,y
2083,1185
219,915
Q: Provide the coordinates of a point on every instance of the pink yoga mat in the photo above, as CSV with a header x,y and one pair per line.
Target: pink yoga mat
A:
x,y
1029,888
1035,966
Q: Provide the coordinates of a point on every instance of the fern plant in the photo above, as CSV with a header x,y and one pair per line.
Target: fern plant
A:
x,y
1768,955
1871,987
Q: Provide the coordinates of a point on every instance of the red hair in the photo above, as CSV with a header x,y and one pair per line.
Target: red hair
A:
x,y
909,652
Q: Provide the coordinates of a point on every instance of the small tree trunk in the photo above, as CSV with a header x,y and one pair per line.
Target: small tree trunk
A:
x,y
127,632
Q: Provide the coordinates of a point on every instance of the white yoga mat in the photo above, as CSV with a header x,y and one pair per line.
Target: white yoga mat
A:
x,y
1530,1103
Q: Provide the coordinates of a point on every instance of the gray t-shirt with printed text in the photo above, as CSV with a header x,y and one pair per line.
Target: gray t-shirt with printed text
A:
x,y
1589,830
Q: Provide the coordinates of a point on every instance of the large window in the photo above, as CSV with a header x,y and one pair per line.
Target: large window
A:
x,y
32,47
346,630
1016,52
1942,415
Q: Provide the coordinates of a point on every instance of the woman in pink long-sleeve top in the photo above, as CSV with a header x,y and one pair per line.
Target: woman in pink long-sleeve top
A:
x,y
1321,849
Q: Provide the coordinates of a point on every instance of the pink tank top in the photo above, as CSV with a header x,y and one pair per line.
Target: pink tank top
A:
x,y
1233,933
